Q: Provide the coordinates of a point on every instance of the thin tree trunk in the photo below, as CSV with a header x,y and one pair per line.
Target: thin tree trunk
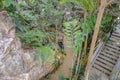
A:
x,y
56,41
78,62
85,48
85,45
96,30
85,15
86,38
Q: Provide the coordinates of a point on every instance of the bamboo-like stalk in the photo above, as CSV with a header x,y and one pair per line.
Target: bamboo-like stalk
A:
x,y
79,54
85,44
86,38
78,62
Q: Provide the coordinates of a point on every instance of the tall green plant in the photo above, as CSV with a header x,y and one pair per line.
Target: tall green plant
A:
x,y
76,32
32,37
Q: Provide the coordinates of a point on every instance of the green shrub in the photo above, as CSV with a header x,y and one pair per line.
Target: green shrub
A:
x,y
32,37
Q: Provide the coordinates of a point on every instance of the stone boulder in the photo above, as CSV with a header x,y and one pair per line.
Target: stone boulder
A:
x,y
16,63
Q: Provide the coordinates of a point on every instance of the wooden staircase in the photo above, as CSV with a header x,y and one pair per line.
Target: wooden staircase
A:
x,y
105,61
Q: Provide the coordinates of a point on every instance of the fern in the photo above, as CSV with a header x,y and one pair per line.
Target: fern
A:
x,y
88,24
73,32
32,37
77,31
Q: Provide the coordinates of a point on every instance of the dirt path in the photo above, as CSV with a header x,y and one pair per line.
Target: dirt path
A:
x,y
66,66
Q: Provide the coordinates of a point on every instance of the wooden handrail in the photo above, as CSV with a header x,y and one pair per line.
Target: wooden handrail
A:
x,y
97,51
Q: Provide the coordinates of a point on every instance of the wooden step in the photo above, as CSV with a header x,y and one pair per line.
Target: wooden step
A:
x,y
111,53
112,50
104,61
115,34
95,74
102,69
103,65
108,55
110,42
117,38
112,46
107,59
113,40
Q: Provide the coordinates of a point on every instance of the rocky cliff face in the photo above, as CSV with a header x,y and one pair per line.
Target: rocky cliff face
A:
x,y
16,63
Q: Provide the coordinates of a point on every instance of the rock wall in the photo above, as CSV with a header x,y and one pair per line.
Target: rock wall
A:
x,y
16,63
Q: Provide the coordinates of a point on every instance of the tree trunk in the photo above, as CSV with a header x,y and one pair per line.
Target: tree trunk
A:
x,y
85,44
86,38
96,30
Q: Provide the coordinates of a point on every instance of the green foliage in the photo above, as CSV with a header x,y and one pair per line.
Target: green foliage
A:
x,y
32,37
56,64
106,19
43,53
61,76
87,5
7,3
88,24
47,12
106,27
37,15
114,8
32,18
74,34
77,31
1,4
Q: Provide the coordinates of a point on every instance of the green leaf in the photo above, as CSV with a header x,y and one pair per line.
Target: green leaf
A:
x,y
7,3
45,52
